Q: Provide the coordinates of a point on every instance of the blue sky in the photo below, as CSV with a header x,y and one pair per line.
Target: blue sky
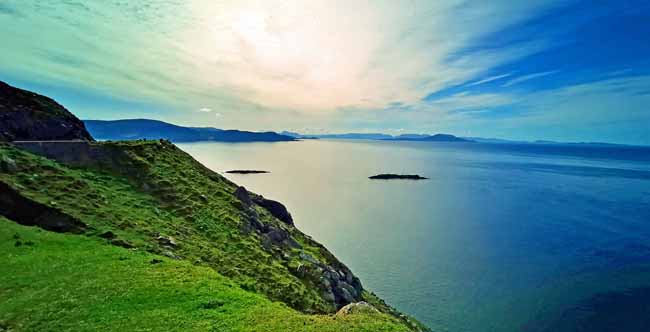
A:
x,y
556,70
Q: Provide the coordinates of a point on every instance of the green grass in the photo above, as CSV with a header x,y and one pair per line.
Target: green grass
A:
x,y
208,230
140,190
58,282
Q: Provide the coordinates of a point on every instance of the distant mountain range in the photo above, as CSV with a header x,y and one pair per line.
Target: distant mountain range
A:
x,y
431,138
133,129
384,137
375,136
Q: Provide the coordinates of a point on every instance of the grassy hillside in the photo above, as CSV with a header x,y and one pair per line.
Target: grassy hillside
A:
x,y
152,197
57,282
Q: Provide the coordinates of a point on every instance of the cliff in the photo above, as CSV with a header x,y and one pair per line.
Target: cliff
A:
x,y
152,198
25,115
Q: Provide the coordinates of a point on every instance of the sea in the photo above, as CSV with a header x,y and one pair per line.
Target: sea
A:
x,y
501,237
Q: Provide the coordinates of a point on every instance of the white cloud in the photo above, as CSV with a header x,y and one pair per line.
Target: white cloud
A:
x,y
529,77
489,79
263,55
467,101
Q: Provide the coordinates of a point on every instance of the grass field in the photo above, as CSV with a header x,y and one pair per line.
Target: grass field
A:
x,y
58,282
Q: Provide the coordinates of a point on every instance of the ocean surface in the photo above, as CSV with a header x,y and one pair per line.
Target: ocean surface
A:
x,y
502,237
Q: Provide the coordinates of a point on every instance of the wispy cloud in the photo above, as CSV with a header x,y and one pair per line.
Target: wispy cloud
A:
x,y
467,101
330,64
489,79
529,77
283,55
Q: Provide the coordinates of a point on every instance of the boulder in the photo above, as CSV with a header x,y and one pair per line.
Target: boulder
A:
x,y
242,195
167,241
275,208
122,243
8,165
107,235
171,255
357,308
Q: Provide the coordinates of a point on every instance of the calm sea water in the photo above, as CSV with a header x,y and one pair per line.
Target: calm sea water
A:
x,y
501,238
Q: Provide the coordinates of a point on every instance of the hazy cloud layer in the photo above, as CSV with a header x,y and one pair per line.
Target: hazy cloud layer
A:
x,y
338,65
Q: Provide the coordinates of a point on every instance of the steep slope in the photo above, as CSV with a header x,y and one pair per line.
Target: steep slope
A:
x,y
57,282
25,115
152,196
131,129
155,190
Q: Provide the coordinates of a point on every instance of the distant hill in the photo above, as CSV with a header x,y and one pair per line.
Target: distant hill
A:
x,y
353,136
411,136
433,138
291,133
132,129
383,137
25,115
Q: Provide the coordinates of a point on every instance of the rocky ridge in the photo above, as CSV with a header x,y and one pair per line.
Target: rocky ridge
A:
x,y
25,115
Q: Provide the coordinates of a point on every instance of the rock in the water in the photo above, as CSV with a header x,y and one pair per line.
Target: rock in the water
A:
x,y
397,177
357,308
29,116
246,171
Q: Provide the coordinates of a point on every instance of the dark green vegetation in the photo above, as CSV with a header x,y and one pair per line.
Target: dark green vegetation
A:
x,y
25,115
149,196
397,177
58,282
131,129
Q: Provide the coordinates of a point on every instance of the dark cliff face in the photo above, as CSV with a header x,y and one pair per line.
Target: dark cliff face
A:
x,y
26,115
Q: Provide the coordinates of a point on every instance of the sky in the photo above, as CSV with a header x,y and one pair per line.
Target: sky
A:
x,y
553,70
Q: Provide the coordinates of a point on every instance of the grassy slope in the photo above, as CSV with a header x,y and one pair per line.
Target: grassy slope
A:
x,y
181,199
185,201
57,282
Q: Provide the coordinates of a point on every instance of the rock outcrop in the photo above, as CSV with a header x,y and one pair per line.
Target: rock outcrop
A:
x,y
28,212
335,281
357,308
25,115
276,208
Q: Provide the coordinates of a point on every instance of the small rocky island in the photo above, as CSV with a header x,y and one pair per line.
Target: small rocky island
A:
x,y
246,171
397,177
